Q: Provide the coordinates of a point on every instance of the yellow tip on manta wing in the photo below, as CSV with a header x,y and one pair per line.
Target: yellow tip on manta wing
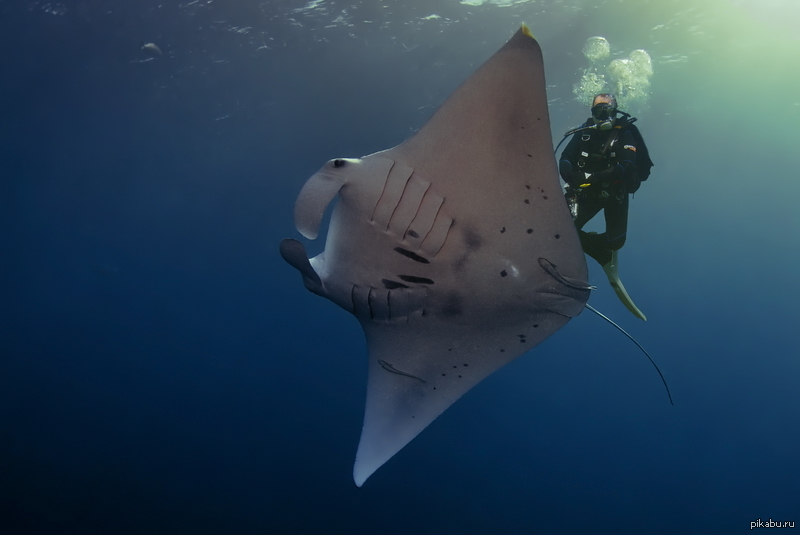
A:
x,y
527,31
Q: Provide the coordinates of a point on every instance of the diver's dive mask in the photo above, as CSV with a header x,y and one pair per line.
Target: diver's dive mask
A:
x,y
604,112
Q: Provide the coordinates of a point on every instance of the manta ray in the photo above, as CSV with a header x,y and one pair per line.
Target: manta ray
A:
x,y
455,250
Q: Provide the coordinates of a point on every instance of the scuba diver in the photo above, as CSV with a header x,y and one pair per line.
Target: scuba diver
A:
x,y
605,162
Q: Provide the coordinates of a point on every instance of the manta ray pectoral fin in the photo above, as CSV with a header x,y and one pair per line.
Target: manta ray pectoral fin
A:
x,y
526,31
295,255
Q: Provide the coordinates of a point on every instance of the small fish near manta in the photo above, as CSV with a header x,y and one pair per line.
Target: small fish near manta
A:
x,y
455,249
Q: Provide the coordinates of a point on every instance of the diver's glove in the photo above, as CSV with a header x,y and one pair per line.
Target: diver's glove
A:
x,y
576,179
610,174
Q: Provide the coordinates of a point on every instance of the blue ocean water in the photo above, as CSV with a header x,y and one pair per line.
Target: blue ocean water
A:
x,y
162,370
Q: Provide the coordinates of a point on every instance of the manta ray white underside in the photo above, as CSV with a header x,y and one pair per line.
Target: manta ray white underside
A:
x,y
455,249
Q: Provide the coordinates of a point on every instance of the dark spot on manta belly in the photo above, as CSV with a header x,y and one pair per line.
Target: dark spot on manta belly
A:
x,y
413,233
544,197
530,231
527,201
452,305
472,239
527,186
502,230
504,273
558,236
392,285
415,279
530,156
413,256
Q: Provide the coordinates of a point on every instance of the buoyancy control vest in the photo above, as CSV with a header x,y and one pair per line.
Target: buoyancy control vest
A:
x,y
597,152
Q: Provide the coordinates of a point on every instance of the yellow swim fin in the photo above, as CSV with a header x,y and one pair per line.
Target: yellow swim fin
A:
x,y
613,277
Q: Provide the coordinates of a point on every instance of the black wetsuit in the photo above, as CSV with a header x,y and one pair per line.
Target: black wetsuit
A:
x,y
609,157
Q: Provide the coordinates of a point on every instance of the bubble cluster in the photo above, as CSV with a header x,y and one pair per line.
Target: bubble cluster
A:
x,y
642,62
627,78
597,49
591,85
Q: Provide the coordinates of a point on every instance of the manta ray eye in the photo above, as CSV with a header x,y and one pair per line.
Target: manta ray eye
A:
x,y
338,162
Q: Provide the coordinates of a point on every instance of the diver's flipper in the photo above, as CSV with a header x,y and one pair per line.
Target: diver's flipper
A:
x,y
613,277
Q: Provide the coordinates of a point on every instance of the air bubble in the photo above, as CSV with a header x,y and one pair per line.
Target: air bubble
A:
x,y
597,49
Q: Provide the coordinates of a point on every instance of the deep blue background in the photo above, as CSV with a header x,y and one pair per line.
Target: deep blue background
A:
x,y
163,371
